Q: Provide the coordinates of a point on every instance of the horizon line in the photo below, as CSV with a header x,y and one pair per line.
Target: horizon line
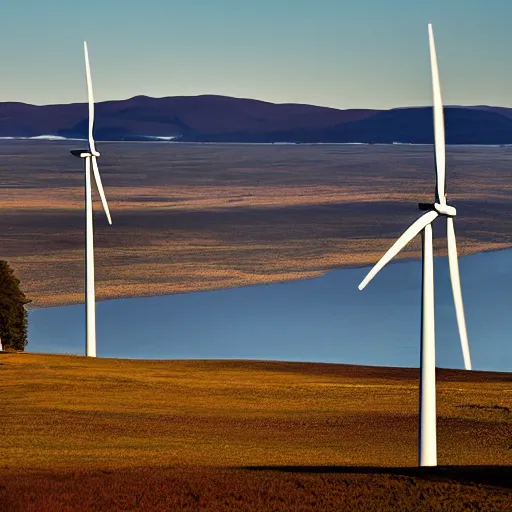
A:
x,y
247,99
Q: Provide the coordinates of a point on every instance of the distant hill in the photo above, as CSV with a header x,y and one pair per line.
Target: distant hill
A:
x,y
225,119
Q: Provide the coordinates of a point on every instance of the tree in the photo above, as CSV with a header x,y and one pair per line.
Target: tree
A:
x,y
13,315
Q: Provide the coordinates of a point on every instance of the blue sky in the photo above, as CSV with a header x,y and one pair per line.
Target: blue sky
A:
x,y
339,53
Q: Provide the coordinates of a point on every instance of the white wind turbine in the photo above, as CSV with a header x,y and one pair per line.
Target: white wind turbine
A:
x,y
427,439
90,156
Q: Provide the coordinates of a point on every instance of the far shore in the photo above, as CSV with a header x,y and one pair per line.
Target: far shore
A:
x,y
271,279
192,218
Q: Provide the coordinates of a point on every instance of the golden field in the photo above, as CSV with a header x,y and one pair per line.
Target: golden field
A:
x,y
102,434
190,217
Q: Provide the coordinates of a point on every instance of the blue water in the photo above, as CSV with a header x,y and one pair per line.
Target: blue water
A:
x,y
325,319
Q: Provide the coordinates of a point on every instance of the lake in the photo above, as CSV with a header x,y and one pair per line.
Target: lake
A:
x,y
323,320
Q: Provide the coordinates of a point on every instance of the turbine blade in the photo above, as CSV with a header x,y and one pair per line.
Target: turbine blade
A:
x,y
90,99
457,292
406,237
97,178
439,139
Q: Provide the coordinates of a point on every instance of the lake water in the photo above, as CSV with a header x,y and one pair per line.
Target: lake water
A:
x,y
325,319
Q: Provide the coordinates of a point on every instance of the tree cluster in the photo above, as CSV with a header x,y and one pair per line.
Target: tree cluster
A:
x,y
13,315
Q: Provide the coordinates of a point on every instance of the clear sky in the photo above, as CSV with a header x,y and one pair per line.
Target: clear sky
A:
x,y
339,53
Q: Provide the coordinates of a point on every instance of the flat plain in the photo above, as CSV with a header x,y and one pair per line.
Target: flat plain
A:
x,y
191,217
99,434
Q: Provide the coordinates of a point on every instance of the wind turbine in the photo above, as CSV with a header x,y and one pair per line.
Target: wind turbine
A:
x,y
90,156
427,439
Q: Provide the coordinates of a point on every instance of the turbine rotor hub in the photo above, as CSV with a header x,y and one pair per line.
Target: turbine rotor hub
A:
x,y
445,209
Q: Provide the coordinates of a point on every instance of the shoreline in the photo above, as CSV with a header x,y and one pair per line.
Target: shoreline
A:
x,y
317,274
208,217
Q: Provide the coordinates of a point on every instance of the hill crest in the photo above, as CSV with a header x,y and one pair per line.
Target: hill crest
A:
x,y
214,118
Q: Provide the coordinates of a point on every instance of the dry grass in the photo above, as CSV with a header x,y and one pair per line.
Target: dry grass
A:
x,y
82,434
197,217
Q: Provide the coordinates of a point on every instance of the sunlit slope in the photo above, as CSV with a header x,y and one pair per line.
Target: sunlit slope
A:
x,y
66,411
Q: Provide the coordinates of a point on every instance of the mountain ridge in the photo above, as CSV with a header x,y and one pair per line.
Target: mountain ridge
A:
x,y
215,118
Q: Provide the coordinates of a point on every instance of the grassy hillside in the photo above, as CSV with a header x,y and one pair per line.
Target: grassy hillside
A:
x,y
100,431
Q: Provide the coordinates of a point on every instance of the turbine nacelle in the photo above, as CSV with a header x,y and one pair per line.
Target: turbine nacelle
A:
x,y
84,153
442,209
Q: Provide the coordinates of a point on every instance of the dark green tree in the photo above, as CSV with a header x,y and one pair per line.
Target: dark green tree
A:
x,y
13,315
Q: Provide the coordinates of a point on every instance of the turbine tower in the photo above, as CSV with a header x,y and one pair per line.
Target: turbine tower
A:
x,y
427,439
90,157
